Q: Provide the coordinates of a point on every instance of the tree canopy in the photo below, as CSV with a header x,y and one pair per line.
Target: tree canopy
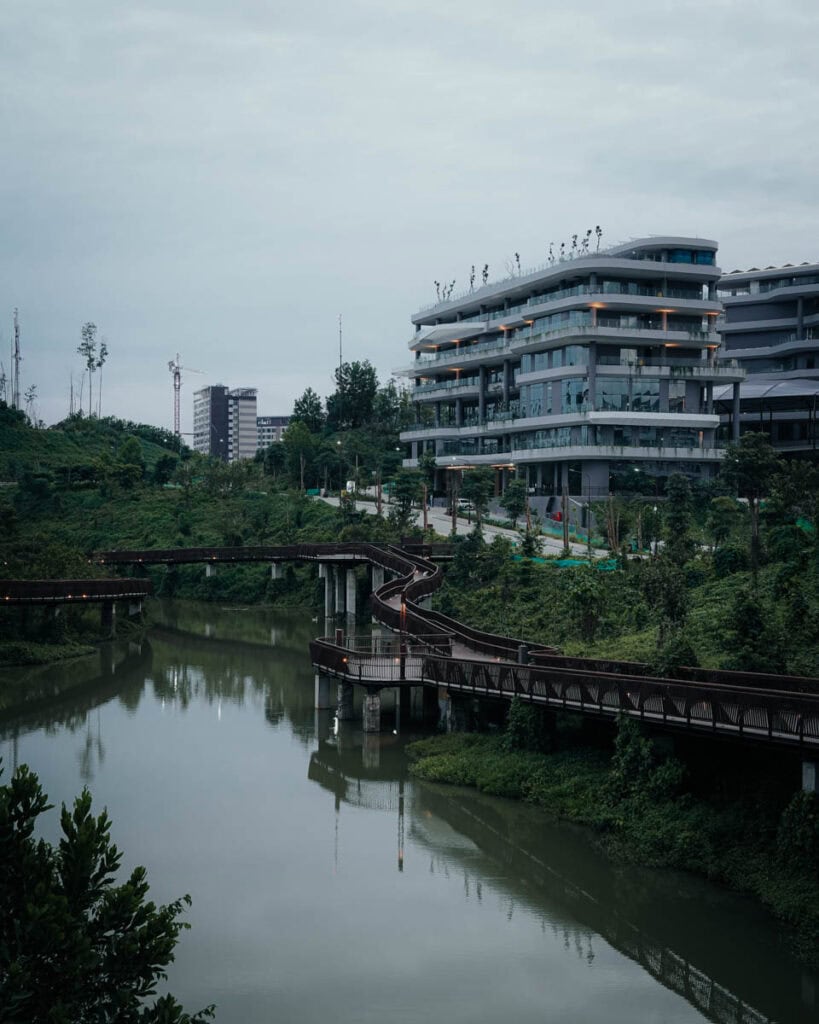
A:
x,y
74,947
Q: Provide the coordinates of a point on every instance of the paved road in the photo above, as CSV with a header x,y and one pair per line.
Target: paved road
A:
x,y
442,523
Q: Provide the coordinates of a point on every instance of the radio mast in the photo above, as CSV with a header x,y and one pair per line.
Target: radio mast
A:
x,y
15,383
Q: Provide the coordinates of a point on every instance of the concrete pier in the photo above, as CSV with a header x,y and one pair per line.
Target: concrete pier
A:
x,y
338,576
324,697
210,570
345,710
277,571
351,592
326,573
371,711
377,577
810,776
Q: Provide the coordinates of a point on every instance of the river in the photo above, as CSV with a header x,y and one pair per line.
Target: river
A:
x,y
328,885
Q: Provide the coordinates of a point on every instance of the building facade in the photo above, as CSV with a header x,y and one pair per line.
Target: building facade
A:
x,y
224,422
771,327
210,421
578,372
269,430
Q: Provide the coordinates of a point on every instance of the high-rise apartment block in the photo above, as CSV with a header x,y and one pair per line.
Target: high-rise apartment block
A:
x,y
581,370
771,327
224,422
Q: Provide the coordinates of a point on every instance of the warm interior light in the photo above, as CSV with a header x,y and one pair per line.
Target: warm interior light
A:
x,y
597,305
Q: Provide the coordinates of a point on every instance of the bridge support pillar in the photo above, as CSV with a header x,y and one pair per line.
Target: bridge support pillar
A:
x,y
351,592
209,570
338,574
377,577
810,776
108,618
329,590
429,698
344,710
277,571
323,693
371,715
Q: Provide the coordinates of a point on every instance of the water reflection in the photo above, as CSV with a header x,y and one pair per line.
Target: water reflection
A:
x,y
248,670
710,947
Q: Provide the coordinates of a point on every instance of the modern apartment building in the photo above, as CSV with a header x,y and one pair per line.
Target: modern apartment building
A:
x,y
269,430
210,421
577,372
242,433
224,422
771,327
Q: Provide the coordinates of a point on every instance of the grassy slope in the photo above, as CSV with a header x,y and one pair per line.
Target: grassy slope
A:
x,y
76,444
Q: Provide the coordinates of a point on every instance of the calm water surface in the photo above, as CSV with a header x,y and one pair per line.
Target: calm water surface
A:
x,y
328,885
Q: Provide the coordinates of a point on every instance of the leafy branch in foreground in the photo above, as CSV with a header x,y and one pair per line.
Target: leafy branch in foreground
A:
x,y
75,947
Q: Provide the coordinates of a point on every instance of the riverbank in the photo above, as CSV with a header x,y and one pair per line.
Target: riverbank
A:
x,y
21,652
750,831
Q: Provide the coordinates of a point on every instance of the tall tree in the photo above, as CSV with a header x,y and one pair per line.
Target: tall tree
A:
x,y
351,405
308,410
478,487
750,466
75,945
87,348
678,518
300,449
513,500
406,493
98,365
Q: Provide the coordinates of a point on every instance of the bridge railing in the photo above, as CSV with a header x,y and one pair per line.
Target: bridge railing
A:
x,y
781,717
65,591
417,578
790,717
717,677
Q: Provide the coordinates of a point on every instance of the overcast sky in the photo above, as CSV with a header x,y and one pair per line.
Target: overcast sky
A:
x,y
222,179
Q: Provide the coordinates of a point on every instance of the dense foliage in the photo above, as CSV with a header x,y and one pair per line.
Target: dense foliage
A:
x,y
693,599
751,831
75,947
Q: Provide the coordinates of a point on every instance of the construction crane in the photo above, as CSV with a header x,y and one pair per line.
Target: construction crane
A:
x,y
176,369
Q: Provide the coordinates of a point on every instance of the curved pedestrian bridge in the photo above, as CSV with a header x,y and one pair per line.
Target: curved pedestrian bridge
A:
x,y
434,650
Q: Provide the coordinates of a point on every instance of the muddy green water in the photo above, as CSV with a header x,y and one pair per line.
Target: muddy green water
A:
x,y
327,885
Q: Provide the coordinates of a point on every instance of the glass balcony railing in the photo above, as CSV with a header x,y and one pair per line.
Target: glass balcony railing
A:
x,y
604,288
461,384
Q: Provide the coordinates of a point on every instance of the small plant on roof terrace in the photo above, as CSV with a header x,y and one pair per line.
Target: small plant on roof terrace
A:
x,y
472,278
485,273
584,247
599,232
